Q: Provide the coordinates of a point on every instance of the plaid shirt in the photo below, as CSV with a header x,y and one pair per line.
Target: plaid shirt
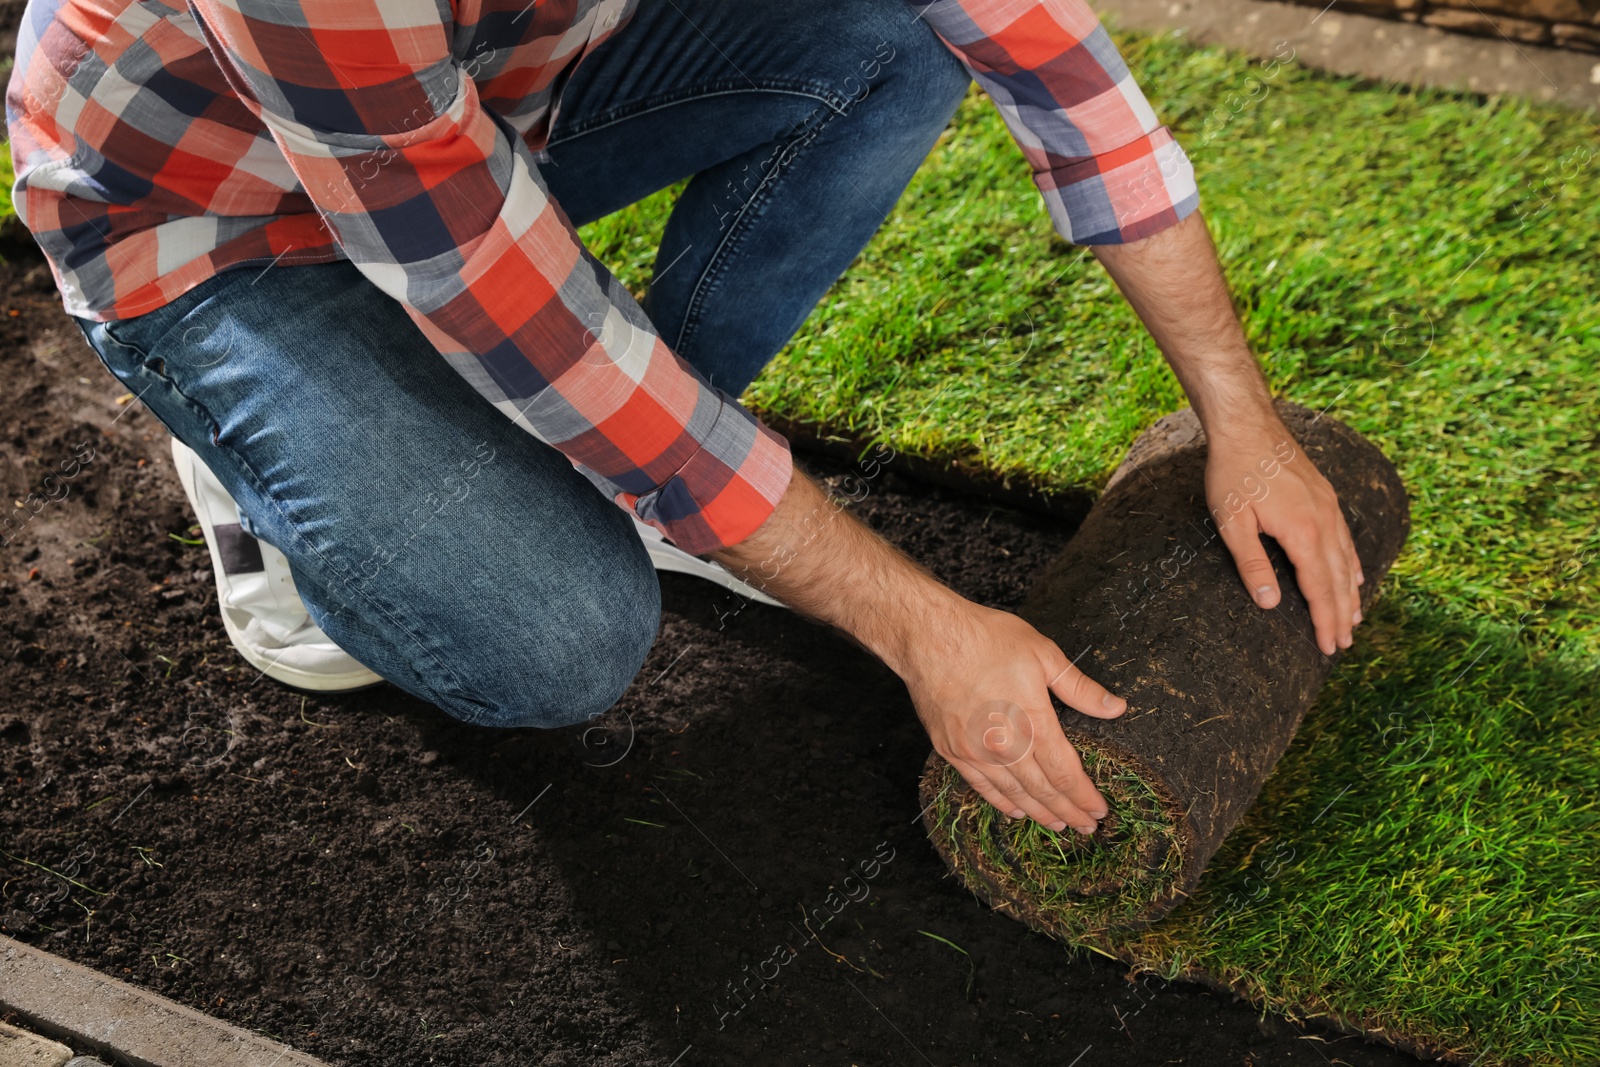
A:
x,y
156,145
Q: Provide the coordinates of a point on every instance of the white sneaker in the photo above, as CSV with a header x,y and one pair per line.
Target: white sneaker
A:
x,y
669,557
261,610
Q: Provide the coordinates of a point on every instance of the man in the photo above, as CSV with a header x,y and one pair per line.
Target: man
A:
x,y
272,218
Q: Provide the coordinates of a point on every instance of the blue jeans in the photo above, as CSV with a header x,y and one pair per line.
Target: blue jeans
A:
x,y
443,547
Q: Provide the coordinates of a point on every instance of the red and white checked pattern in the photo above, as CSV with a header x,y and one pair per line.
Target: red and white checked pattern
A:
x,y
154,150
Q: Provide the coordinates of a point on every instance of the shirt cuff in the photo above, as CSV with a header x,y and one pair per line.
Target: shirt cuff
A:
x,y
709,505
1122,195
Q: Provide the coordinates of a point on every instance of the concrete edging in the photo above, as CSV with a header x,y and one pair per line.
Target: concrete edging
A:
x,y
122,1023
23,1048
1377,48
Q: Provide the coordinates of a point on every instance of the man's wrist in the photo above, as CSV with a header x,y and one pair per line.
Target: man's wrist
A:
x,y
1173,280
1238,418
828,565
919,613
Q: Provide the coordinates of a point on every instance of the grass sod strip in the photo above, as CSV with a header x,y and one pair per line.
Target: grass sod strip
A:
x,y
1146,600
1424,264
1071,887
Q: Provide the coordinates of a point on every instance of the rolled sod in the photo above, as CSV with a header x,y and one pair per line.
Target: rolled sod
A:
x,y
1146,600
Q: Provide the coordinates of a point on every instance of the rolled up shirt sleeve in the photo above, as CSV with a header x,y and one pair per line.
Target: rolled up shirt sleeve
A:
x,y
1108,170
438,201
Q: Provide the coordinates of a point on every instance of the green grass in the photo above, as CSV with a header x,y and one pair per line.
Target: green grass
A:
x,y
7,176
1423,858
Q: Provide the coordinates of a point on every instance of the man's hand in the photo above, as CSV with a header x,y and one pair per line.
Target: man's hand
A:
x,y
980,679
1259,481
1174,282
983,693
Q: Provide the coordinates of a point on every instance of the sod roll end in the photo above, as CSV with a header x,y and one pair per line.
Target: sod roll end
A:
x,y
1146,600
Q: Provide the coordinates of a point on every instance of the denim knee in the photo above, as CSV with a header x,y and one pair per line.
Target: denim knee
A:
x,y
561,668
909,65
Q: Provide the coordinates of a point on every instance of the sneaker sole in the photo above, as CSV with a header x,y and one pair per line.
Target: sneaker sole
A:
x,y
305,681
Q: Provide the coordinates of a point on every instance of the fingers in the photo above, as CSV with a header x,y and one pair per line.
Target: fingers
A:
x,y
1026,790
1353,561
1321,570
1056,778
1325,598
1010,748
1030,769
1001,788
1045,780
1355,557
1243,539
1077,690
1344,596
1325,564
985,788
1057,815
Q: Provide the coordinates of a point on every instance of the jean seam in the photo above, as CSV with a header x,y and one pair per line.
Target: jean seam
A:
x,y
660,101
705,286
144,361
391,615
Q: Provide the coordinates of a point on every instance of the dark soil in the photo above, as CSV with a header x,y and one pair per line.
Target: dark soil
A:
x,y
376,883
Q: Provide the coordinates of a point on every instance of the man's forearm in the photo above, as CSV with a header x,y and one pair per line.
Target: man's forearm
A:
x,y
1174,282
980,679
828,565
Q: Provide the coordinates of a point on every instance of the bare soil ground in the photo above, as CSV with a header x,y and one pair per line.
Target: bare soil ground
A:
x,y
726,869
